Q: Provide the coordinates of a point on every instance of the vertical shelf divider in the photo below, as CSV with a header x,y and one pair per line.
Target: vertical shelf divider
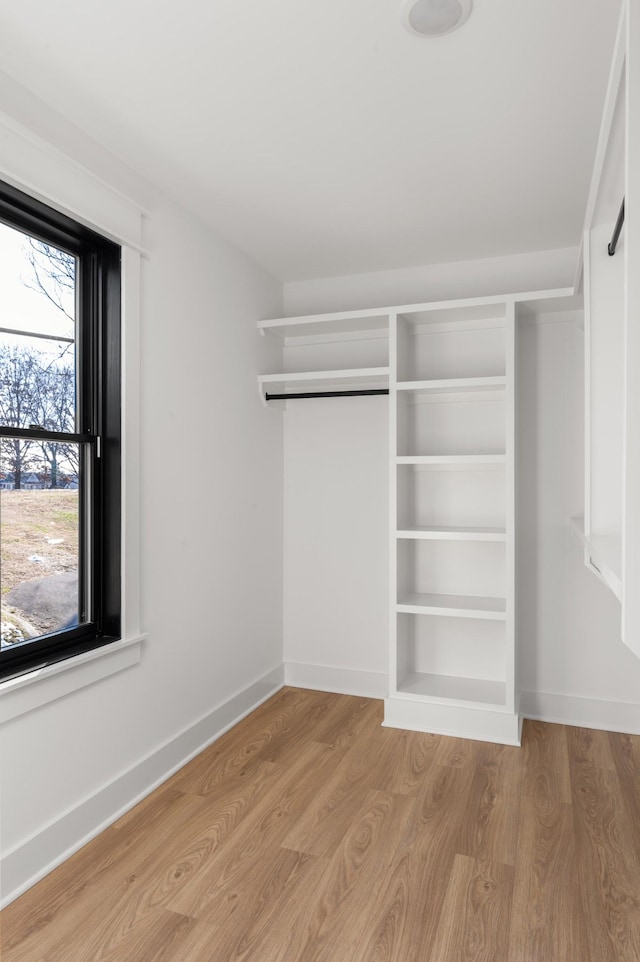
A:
x,y
510,507
393,500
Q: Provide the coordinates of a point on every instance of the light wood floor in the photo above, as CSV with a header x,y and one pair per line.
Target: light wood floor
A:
x,y
309,832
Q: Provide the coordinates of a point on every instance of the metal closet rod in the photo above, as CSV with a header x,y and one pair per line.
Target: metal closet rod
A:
x,y
308,394
611,247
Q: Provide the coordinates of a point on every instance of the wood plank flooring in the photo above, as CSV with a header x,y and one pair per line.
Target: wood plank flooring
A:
x,y
308,833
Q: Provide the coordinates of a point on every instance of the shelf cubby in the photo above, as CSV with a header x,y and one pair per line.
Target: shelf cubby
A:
x,y
432,423
464,575
453,498
451,658
454,688
463,343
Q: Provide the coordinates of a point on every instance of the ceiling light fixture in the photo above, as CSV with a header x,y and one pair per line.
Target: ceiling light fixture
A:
x,y
434,18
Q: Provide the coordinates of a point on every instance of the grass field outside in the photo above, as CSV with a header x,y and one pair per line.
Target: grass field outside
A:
x,y
38,538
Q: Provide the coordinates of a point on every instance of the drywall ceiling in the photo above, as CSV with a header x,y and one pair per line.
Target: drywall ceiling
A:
x,y
322,138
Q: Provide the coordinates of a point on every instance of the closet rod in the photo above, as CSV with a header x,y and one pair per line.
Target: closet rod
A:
x,y
616,231
293,397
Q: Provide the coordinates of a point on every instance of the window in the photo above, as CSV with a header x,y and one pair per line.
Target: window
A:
x,y
60,500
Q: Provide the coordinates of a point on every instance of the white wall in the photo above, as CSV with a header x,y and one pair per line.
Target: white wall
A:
x,y
572,664
336,610
211,468
433,282
212,493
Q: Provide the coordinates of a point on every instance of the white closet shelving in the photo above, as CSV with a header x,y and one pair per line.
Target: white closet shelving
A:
x,y
345,351
452,538
450,371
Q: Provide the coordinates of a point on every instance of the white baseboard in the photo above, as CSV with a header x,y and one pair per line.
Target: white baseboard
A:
x,y
30,861
343,681
612,716
539,706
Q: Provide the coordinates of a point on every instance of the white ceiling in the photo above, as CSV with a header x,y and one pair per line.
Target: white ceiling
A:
x,y
321,137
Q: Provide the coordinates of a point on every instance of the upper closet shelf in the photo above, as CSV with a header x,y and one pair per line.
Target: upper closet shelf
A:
x,y
472,311
347,322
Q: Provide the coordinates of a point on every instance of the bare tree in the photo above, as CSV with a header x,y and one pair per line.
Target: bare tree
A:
x,y
54,274
36,388
36,391
19,372
54,410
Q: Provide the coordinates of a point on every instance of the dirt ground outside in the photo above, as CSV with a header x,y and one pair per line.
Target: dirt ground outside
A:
x,y
38,538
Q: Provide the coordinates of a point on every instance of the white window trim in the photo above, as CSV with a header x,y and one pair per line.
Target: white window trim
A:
x,y
43,685
46,173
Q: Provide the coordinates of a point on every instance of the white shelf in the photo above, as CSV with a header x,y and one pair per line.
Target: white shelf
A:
x,y
455,385
453,606
344,322
471,310
453,460
469,691
452,533
358,378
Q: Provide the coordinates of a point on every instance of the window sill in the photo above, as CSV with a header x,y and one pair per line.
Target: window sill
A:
x,y
28,692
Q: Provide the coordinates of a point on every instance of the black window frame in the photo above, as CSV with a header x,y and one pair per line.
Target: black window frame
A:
x,y
99,429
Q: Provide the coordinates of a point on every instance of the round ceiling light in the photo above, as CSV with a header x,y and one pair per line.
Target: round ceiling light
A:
x,y
434,18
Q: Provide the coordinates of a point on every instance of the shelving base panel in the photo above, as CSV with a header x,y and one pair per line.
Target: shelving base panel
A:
x,y
415,713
